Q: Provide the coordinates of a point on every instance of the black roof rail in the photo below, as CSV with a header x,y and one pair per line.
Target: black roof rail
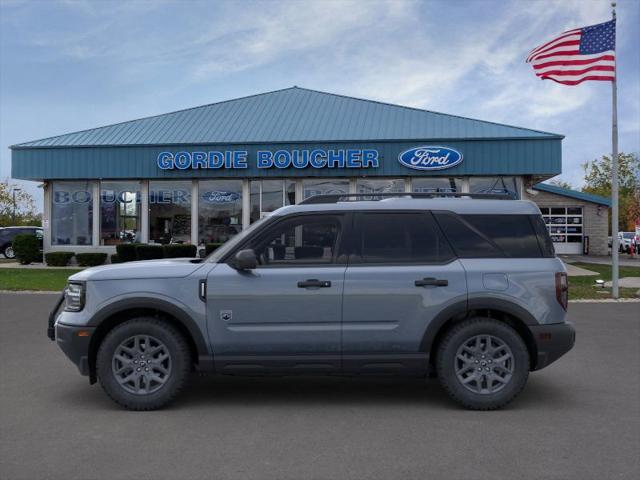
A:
x,y
346,197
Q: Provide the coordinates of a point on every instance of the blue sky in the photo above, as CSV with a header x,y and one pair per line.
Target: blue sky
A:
x,y
72,65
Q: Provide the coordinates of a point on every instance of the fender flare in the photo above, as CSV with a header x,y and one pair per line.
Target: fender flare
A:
x,y
155,304
463,307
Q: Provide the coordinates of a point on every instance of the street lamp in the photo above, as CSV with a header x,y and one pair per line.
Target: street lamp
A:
x,y
14,203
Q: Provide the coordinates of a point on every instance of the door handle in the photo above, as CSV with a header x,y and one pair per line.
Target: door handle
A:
x,y
431,282
314,283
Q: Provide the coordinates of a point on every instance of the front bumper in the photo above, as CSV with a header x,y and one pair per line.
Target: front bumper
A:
x,y
73,340
552,341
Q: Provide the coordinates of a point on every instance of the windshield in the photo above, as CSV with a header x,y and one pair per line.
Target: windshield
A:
x,y
628,234
216,255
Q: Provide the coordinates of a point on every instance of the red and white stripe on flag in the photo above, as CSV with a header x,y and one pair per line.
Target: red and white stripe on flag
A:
x,y
577,55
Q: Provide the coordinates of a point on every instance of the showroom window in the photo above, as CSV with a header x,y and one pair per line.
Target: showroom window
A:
x,y
170,212
379,185
119,212
324,186
497,185
436,184
269,195
219,210
72,213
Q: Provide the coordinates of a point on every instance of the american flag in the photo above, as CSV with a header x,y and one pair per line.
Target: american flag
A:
x,y
587,53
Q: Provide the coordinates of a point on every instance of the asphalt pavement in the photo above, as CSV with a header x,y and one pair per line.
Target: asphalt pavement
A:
x,y
578,418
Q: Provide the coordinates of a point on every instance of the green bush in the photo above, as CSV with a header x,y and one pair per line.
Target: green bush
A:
x,y
58,259
127,252
115,258
211,247
27,248
90,259
178,250
148,252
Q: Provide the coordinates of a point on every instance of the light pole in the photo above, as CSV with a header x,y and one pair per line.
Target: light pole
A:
x,y
14,203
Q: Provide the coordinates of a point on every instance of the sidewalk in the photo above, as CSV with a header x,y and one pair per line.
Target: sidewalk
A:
x,y
624,259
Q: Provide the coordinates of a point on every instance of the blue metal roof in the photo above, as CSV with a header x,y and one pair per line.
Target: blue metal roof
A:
x,y
565,192
289,116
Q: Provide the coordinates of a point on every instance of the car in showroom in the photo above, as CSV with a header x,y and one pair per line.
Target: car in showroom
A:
x,y
466,289
7,234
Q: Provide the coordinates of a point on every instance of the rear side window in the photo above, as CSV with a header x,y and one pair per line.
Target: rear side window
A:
x,y
544,240
513,234
490,236
399,238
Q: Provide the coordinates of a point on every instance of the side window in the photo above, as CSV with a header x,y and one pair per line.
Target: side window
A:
x,y
300,240
400,238
544,240
467,241
514,234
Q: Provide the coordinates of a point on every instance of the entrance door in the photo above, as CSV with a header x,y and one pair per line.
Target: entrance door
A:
x,y
403,273
285,314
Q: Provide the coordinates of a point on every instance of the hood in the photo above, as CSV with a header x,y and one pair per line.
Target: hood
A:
x,y
173,268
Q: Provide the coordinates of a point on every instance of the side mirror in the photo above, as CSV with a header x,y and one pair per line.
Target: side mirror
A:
x,y
245,260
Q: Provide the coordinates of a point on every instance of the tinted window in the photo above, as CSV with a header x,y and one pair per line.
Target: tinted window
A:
x,y
544,241
513,234
400,238
467,241
300,240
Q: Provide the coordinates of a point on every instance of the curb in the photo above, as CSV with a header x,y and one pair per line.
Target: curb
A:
x,y
31,292
605,300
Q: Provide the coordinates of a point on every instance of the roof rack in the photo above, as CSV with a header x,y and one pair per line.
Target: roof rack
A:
x,y
346,197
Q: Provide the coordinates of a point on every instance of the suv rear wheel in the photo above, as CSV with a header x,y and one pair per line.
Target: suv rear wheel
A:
x,y
143,363
483,363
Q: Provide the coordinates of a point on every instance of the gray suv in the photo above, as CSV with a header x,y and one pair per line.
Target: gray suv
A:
x,y
465,289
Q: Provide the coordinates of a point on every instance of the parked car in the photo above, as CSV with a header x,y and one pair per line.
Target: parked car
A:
x,y
625,241
7,234
469,290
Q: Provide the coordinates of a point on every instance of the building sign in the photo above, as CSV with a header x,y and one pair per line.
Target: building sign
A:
x,y
220,197
430,158
266,159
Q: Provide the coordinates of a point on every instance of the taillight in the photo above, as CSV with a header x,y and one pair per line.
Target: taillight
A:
x,y
562,289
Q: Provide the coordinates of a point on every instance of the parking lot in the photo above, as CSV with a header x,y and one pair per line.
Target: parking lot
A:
x,y
579,418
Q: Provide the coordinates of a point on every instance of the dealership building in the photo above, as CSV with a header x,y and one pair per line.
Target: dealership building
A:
x,y
203,174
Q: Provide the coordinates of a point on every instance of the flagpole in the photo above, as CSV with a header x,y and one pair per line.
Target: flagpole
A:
x,y
614,177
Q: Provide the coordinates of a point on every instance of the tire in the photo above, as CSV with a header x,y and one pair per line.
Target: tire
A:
x,y
461,352
143,382
8,252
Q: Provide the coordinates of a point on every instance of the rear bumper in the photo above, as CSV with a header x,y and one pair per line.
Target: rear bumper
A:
x,y
74,342
552,341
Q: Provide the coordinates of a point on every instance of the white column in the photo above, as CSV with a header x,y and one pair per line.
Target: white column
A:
x,y
299,190
352,185
246,204
144,211
465,185
194,212
95,187
46,216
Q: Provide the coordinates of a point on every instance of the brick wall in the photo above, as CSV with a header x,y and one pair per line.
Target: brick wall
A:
x,y
595,226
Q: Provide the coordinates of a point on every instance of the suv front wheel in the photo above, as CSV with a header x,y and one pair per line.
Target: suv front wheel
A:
x,y
143,363
483,363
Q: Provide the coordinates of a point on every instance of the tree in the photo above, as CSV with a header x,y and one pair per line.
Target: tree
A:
x,y
25,207
558,182
597,180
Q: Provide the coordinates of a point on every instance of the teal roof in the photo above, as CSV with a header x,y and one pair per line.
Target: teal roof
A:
x,y
289,116
565,192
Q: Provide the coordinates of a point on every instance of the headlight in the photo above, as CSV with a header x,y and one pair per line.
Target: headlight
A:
x,y
74,297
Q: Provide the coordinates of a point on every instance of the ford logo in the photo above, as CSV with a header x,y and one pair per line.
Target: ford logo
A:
x,y
430,158
220,197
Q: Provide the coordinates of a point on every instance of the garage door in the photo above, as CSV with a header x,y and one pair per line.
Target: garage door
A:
x,y
565,228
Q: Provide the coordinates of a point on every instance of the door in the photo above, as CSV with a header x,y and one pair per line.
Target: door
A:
x,y
401,274
285,315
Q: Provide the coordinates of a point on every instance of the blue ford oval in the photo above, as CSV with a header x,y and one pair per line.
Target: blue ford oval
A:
x,y
430,158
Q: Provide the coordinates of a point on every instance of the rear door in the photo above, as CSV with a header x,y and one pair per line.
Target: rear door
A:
x,y
401,274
